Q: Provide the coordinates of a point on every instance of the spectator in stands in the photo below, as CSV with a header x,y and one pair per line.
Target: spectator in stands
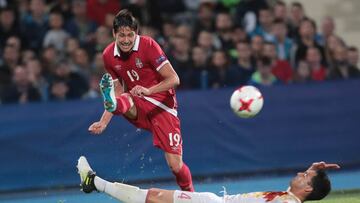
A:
x,y
61,6
297,14
27,55
197,76
219,70
313,58
263,75
332,42
59,90
207,41
353,57
94,89
167,31
281,12
98,9
102,38
342,69
223,29
20,90
11,58
79,26
56,35
307,32
37,77
14,41
241,71
97,65
280,68
71,44
184,31
81,63
257,45
66,79
302,73
205,19
35,25
284,45
8,25
180,56
109,19
238,35
327,29
264,27
49,58
246,12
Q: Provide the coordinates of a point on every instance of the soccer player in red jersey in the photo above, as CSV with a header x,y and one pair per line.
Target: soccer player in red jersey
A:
x,y
140,86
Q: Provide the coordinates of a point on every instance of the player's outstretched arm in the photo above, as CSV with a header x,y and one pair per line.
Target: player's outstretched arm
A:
x,y
99,126
323,166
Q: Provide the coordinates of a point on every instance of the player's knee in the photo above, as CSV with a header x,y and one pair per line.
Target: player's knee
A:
x,y
154,195
175,166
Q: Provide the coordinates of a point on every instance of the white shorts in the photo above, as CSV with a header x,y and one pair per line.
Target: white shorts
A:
x,y
196,197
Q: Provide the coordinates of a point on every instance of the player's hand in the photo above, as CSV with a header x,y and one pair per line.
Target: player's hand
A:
x,y
97,128
140,91
323,166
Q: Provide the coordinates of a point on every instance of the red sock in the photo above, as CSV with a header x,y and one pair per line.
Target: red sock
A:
x,y
183,179
123,104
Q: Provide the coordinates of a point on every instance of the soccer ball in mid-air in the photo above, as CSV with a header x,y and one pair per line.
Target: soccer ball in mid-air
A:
x,y
246,101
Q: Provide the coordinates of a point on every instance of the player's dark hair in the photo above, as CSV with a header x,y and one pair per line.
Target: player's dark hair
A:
x,y
125,19
321,186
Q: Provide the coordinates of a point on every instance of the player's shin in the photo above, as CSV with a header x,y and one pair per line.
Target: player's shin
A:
x,y
120,191
183,178
123,103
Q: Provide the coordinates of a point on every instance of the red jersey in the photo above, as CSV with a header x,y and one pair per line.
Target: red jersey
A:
x,y
141,67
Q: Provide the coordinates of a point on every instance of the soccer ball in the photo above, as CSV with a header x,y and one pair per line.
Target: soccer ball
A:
x,y
246,101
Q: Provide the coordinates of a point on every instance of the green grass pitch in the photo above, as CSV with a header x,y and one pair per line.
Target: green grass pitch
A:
x,y
350,196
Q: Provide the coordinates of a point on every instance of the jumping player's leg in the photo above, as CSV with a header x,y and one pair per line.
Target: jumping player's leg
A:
x,y
167,136
121,104
180,170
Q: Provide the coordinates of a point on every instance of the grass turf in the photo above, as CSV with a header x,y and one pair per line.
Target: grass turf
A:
x,y
349,196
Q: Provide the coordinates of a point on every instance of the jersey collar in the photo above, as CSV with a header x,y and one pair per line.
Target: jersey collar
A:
x,y
135,48
292,194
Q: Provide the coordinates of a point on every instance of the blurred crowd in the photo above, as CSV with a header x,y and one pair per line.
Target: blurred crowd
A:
x,y
52,50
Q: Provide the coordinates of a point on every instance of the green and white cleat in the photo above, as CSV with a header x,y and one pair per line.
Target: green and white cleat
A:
x,y
108,92
87,175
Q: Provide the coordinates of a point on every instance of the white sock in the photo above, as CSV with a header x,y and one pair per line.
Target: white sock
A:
x,y
122,192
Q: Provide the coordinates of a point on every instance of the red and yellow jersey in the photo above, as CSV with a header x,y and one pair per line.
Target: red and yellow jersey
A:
x,y
262,197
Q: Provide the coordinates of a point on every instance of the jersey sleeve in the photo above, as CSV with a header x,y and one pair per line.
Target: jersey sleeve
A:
x,y
109,69
156,55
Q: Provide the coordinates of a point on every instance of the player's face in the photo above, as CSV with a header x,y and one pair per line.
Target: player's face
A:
x,y
303,179
125,38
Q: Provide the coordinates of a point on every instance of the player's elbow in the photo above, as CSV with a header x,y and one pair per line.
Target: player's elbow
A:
x,y
176,81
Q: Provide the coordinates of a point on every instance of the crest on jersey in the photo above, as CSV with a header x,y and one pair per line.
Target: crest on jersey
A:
x,y
161,59
138,63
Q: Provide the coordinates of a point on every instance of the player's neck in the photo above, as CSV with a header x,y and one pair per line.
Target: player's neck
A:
x,y
297,194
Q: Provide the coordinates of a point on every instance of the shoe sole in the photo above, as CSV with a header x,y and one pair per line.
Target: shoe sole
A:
x,y
83,168
107,91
